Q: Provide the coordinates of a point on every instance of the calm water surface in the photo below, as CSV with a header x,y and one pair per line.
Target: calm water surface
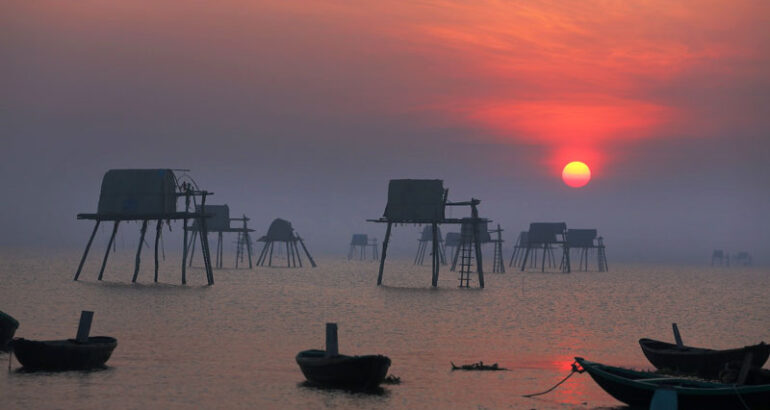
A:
x,y
232,345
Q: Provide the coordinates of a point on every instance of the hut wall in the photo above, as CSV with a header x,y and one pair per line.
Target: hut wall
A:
x,y
219,219
545,232
138,192
581,238
415,200
482,230
359,239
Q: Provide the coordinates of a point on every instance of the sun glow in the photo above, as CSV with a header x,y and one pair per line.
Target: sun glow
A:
x,y
576,174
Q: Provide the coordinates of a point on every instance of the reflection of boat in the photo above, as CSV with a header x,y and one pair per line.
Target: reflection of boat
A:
x,y
8,326
66,354
477,366
637,389
355,372
695,361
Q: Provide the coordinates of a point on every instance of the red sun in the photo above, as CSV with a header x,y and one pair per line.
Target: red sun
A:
x,y
576,174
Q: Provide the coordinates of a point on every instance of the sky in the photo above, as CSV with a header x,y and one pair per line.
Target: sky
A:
x,y
305,109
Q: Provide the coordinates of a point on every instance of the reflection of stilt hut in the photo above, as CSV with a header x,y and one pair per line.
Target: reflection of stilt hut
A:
x,y
498,266
281,231
358,245
451,242
219,222
423,201
718,256
585,242
148,195
546,235
518,249
743,259
422,245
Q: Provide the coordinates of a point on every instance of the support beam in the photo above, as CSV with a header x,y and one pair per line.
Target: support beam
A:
x,y
88,247
384,253
435,259
109,245
139,250
302,242
158,228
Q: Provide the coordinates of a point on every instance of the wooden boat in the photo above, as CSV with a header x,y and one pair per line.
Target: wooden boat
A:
x,y
700,362
8,326
353,372
480,366
66,354
637,389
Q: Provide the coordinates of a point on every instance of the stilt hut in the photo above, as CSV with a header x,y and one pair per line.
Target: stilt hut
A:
x,y
464,254
585,242
148,195
373,245
718,256
281,231
743,259
423,201
219,222
498,266
422,245
358,245
518,249
546,235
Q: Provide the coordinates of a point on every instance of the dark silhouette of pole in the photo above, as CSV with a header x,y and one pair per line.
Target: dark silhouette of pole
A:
x,y
384,252
88,246
109,245
139,250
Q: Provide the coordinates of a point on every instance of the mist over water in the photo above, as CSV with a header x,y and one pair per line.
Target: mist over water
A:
x,y
233,344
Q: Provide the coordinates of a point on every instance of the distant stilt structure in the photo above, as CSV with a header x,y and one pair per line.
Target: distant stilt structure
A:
x,y
498,266
423,201
518,249
470,240
148,195
373,245
546,235
718,256
743,259
358,245
219,223
281,231
422,245
585,241
451,242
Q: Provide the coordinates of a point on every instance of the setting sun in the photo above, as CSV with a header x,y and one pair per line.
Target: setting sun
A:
x,y
576,174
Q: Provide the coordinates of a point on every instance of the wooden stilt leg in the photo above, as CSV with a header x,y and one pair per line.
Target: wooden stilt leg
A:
x,y
270,262
109,246
139,250
384,253
299,256
184,239
247,238
310,258
435,264
157,238
88,247
192,246
479,261
524,261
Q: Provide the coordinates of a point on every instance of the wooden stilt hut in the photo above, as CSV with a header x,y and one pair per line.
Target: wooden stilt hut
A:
x,y
423,201
358,244
585,242
546,235
148,195
518,249
219,223
281,231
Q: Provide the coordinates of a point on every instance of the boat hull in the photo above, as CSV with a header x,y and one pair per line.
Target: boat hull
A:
x,y
637,389
64,354
704,363
8,326
354,372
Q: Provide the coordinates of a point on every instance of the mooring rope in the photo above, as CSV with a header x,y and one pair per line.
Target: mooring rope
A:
x,y
575,369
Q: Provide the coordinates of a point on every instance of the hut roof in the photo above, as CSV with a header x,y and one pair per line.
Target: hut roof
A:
x,y
482,230
452,239
359,239
427,233
415,200
545,232
219,219
581,238
280,230
138,192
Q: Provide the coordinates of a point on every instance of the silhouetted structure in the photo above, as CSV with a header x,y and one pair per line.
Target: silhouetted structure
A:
x,y
423,201
281,231
585,241
374,246
451,242
498,266
717,256
545,235
743,259
422,245
469,239
358,245
147,195
518,249
219,222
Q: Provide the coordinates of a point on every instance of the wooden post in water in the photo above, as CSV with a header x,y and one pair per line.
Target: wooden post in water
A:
x,y
332,348
435,260
677,336
88,246
184,238
139,250
158,228
384,252
84,327
107,252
